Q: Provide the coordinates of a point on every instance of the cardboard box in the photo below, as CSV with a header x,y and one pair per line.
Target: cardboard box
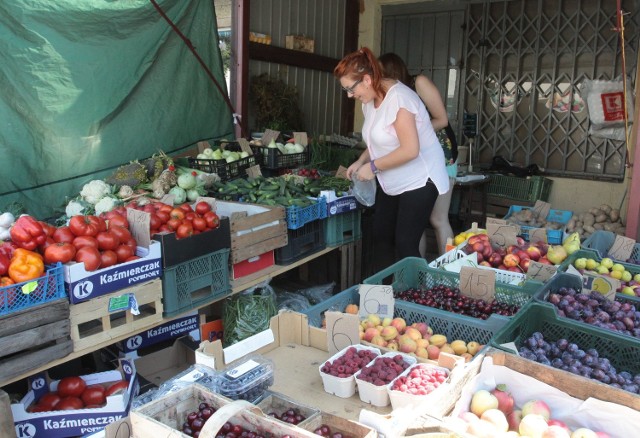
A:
x,y
255,229
176,251
83,285
185,325
60,424
159,366
99,320
253,265
299,42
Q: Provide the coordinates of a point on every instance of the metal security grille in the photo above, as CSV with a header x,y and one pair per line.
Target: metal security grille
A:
x,y
526,61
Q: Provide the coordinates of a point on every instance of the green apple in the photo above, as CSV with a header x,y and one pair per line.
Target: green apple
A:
x,y
591,264
637,277
602,269
626,276
607,262
628,290
580,263
617,267
616,274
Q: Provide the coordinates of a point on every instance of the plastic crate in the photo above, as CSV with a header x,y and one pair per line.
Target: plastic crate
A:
x,y
195,283
33,292
272,158
414,272
622,351
562,279
554,237
343,228
528,189
452,325
301,242
602,241
226,171
298,216
502,276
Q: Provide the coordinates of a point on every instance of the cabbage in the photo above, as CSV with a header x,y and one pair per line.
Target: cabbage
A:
x,y
192,194
179,193
187,181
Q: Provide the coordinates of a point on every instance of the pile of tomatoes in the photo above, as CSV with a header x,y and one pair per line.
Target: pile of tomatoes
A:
x,y
309,173
74,393
98,242
183,220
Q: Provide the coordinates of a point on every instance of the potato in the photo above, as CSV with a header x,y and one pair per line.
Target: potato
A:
x,y
589,219
595,211
571,225
610,226
614,214
605,208
601,218
589,229
598,225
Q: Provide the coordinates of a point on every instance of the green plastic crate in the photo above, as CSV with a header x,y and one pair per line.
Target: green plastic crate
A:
x,y
528,189
196,282
622,351
343,228
414,272
446,323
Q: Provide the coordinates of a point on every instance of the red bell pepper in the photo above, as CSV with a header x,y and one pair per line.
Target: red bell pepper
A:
x,y
7,249
28,233
4,264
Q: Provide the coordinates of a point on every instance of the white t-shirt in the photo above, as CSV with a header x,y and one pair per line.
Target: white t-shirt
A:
x,y
380,136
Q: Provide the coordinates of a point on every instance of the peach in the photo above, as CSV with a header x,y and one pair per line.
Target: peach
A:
x,y
413,333
379,341
389,332
399,323
422,327
433,351
407,345
370,333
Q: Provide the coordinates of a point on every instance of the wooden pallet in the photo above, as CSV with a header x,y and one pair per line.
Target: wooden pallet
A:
x,y
32,337
92,323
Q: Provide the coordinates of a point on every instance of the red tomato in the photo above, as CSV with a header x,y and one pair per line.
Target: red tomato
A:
x,y
85,225
50,400
123,233
62,252
46,244
202,207
93,395
163,216
184,230
190,216
199,223
118,221
69,404
185,207
71,387
63,234
108,258
131,242
117,388
154,221
48,229
149,208
174,223
90,256
82,241
38,408
166,208
124,252
164,228
135,257
177,213
213,221
107,240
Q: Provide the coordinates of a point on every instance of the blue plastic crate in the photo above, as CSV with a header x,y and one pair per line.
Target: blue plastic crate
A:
x,y
553,236
298,216
602,241
446,323
33,292
414,272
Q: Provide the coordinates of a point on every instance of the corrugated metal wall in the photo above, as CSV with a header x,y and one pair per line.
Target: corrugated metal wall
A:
x,y
322,20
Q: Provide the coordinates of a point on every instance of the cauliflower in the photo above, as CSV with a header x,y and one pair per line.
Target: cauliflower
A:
x,y
105,204
74,208
94,191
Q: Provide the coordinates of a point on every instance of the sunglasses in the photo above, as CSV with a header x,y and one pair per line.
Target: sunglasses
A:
x,y
350,90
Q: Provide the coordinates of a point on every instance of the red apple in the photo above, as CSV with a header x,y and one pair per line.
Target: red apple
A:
x,y
511,260
502,267
468,249
511,249
480,257
520,241
505,399
495,259
523,254
534,252
487,251
544,260
514,269
475,239
543,247
524,264
485,263
478,246
562,424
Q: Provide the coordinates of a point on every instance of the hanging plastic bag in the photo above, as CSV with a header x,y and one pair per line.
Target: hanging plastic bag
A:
x,y
364,191
605,102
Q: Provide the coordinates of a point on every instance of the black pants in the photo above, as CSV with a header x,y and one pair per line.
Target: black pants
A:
x,y
398,223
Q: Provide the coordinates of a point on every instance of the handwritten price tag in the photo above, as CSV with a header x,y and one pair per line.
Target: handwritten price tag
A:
x,y
478,283
253,171
168,199
202,145
541,209
269,135
376,299
502,235
301,138
342,330
538,235
540,272
603,284
139,225
622,248
244,146
496,221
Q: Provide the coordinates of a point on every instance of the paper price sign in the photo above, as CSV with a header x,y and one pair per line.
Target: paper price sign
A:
x,y
541,209
253,171
139,225
496,221
540,271
342,330
602,284
502,235
622,248
377,300
478,283
301,138
269,135
538,235
244,146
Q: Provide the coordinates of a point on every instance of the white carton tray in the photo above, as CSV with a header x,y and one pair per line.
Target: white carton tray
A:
x,y
343,387
379,395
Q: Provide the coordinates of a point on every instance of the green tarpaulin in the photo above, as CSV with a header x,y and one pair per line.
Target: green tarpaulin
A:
x,y
88,85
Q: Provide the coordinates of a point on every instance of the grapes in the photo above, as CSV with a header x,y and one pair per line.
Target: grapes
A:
x,y
568,356
450,299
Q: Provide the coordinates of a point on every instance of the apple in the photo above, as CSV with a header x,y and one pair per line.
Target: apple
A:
x,y
482,400
511,260
487,251
532,425
485,263
523,254
544,260
505,399
534,252
524,264
514,418
538,407
583,432
556,432
495,259
478,247
497,418
559,423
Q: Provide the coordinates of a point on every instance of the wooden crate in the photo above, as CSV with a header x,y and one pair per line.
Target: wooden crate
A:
x,y
33,337
165,416
255,229
92,323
